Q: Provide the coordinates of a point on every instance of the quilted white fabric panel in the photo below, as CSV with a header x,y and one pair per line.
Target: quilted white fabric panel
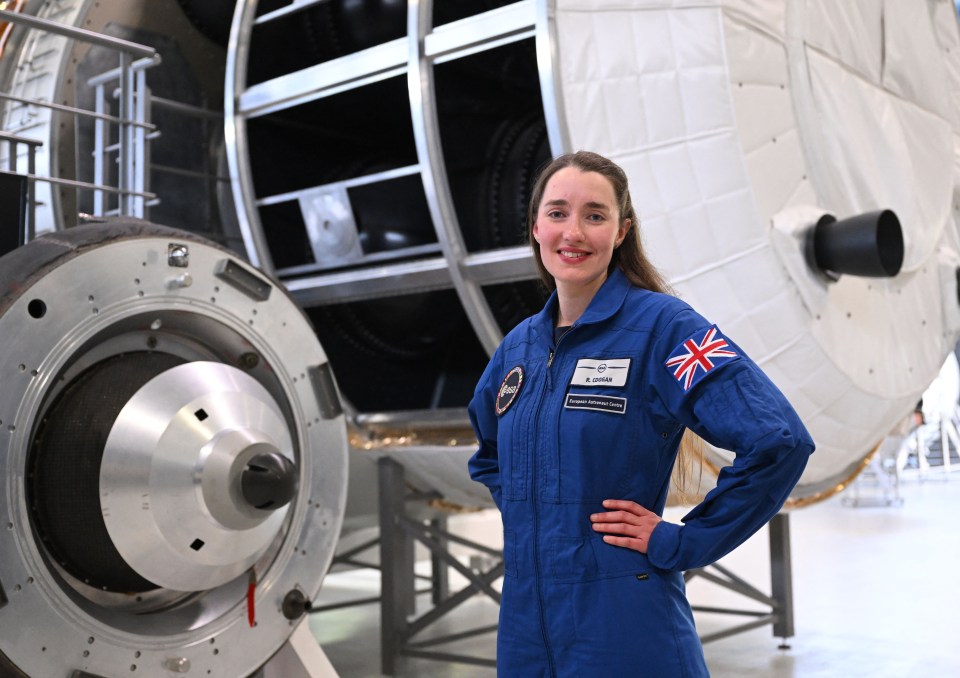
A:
x,y
914,67
943,19
850,32
876,149
727,113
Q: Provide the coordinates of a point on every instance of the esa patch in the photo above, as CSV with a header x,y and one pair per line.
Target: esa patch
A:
x,y
509,389
697,356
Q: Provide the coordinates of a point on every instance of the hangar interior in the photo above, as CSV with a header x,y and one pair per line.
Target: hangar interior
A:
x,y
872,597
348,184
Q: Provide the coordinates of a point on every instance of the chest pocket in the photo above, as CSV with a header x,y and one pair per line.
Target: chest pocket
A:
x,y
515,434
598,438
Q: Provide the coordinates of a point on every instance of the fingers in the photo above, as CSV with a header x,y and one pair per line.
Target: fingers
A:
x,y
619,528
614,517
642,528
624,505
626,524
636,544
623,511
626,536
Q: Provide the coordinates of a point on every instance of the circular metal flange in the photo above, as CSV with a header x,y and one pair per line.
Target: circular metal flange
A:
x,y
171,471
75,299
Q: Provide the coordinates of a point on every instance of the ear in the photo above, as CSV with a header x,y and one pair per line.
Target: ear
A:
x,y
622,232
536,232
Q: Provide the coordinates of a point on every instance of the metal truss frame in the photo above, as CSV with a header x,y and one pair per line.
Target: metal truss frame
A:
x,y
448,265
397,535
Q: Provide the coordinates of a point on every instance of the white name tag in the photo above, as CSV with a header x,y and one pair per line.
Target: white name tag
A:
x,y
611,372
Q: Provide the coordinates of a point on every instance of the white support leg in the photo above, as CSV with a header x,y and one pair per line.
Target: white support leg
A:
x,y
300,657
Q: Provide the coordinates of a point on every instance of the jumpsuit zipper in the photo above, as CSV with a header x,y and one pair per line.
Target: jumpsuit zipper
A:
x,y
536,514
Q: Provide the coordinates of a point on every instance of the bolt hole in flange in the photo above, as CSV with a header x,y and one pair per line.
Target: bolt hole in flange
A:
x,y
37,308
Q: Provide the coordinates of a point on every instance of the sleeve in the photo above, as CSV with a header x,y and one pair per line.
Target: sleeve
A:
x,y
484,465
732,405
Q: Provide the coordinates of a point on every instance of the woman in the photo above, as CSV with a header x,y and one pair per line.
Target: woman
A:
x,y
579,416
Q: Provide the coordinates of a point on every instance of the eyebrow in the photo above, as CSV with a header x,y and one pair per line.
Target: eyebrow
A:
x,y
592,205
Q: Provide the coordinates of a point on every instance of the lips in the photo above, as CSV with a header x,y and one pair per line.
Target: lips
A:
x,y
573,255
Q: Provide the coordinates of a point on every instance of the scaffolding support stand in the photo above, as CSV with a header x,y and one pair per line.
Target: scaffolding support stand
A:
x,y
400,623
781,577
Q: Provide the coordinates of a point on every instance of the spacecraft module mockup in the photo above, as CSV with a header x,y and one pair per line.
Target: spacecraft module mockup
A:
x,y
740,124
373,160
173,457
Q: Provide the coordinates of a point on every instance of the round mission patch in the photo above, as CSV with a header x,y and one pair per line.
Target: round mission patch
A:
x,y
509,389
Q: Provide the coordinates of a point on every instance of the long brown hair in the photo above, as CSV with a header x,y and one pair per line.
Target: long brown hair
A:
x,y
630,258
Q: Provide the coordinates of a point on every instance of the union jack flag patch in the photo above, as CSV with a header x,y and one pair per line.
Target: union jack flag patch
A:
x,y
693,359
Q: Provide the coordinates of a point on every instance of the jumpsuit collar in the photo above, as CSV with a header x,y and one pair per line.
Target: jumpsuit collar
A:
x,y
605,303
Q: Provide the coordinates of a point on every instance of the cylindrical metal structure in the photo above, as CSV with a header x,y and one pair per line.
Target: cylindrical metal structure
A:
x,y
379,156
445,117
403,235
381,172
171,431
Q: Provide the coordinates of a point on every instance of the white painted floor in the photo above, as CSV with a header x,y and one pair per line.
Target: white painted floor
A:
x,y
876,593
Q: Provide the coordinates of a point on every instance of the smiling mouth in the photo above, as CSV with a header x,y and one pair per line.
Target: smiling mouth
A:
x,y
572,255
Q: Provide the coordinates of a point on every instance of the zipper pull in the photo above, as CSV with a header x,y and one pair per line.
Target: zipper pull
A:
x,y
550,359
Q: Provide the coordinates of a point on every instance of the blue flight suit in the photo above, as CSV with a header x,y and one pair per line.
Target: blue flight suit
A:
x,y
558,434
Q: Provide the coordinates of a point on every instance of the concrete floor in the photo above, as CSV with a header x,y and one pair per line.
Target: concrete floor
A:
x,y
876,593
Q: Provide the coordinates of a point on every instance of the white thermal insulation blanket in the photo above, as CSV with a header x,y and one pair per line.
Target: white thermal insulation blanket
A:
x,y
740,122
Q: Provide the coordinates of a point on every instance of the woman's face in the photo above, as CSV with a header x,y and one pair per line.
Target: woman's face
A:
x,y
577,227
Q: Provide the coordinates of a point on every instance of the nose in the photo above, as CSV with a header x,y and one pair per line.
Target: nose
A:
x,y
574,231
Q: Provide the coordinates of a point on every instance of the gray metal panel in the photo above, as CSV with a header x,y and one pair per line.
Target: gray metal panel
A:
x,y
347,183
336,75
499,266
371,283
496,266
481,32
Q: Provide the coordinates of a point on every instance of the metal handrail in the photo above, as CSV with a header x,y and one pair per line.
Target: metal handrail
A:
x,y
73,183
78,34
132,122
82,112
7,136
14,140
